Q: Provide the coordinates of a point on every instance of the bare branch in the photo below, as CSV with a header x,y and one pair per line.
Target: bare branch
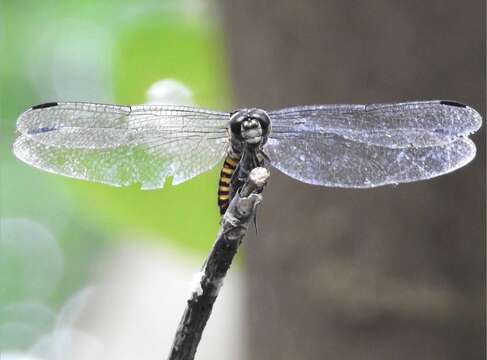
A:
x,y
234,225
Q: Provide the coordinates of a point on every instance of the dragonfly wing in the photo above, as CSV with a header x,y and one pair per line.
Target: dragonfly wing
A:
x,y
372,145
331,160
419,124
122,145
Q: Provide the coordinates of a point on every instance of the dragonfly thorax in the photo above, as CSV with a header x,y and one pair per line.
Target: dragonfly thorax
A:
x,y
250,126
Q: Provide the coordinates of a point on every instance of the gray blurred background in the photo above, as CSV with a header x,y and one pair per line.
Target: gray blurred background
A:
x,y
389,273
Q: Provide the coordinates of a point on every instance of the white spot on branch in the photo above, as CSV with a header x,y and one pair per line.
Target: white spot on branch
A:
x,y
259,176
195,284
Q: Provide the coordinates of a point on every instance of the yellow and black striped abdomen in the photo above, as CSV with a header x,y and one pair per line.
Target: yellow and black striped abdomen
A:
x,y
229,166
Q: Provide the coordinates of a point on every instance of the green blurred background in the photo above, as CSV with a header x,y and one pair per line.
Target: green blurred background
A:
x,y
111,52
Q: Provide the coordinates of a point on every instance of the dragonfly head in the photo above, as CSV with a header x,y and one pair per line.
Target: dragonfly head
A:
x,y
250,126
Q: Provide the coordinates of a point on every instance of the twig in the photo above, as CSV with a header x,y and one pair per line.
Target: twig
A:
x,y
234,225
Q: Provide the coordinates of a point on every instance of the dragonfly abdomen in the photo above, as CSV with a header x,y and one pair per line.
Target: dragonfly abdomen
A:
x,y
224,189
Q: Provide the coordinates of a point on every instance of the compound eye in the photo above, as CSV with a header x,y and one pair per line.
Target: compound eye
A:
x,y
236,121
264,120
265,123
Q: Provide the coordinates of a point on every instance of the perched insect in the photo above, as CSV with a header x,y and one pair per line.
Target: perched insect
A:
x,y
357,146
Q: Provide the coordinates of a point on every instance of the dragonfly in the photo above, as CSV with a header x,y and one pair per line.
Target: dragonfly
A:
x,y
349,146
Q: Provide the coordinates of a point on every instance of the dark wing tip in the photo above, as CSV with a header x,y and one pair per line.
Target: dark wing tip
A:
x,y
452,103
45,105
471,116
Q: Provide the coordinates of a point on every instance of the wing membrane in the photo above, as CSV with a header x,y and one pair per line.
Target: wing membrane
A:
x,y
121,145
331,160
419,124
372,145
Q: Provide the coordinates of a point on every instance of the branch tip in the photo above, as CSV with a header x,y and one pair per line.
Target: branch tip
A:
x,y
206,284
259,176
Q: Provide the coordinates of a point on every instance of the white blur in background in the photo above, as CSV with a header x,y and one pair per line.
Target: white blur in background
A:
x,y
169,92
131,310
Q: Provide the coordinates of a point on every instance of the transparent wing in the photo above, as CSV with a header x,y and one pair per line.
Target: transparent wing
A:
x,y
371,145
331,160
122,145
419,124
